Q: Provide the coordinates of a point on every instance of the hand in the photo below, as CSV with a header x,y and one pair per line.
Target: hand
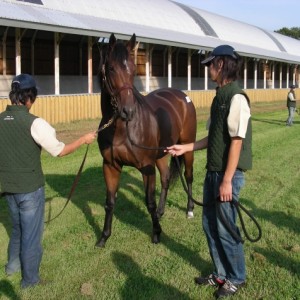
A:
x,y
90,137
176,150
225,191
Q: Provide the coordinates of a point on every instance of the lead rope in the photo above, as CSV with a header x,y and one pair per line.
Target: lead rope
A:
x,y
237,204
75,182
72,187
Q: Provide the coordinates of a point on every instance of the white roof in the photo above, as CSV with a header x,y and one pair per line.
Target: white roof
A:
x,y
156,21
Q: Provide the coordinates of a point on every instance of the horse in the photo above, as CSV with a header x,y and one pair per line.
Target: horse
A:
x,y
135,129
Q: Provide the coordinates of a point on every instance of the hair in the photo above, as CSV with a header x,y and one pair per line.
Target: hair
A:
x,y
231,66
18,95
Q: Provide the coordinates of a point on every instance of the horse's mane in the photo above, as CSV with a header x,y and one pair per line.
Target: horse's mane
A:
x,y
119,53
139,97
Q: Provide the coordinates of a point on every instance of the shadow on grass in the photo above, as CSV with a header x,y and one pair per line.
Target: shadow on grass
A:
x,y
7,291
280,220
278,259
274,122
140,286
92,187
4,215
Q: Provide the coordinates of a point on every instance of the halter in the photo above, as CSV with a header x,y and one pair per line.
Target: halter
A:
x,y
112,92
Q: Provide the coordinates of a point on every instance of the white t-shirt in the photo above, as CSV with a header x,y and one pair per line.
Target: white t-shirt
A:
x,y
238,116
291,96
45,136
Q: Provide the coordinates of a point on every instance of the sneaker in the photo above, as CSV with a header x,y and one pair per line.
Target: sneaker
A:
x,y
211,280
227,289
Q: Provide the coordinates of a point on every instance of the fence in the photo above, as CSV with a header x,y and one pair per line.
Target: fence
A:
x,y
68,108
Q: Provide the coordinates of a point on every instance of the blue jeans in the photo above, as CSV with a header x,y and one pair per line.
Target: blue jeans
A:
x,y
25,244
227,254
289,121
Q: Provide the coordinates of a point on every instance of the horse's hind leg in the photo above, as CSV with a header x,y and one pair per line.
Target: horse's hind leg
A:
x,y
188,174
112,177
162,165
149,184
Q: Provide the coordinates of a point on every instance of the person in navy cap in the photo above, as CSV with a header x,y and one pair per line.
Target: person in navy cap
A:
x,y
291,105
22,136
229,155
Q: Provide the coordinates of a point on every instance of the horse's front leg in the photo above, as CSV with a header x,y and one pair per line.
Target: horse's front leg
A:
x,y
112,177
162,165
148,173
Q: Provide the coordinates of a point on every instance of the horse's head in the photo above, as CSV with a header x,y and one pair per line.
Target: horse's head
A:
x,y
118,72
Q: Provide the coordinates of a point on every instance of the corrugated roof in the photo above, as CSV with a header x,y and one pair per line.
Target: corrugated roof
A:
x,y
156,21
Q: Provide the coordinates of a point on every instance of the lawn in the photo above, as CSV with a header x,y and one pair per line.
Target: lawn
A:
x,y
130,266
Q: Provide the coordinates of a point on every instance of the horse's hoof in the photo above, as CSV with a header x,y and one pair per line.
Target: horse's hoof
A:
x,y
155,239
190,215
100,243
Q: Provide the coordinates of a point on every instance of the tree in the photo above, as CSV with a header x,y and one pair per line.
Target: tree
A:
x,y
293,32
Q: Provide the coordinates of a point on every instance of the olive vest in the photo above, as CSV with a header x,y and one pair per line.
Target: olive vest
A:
x,y
219,139
290,103
20,156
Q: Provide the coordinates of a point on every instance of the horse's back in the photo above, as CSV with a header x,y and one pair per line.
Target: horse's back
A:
x,y
175,113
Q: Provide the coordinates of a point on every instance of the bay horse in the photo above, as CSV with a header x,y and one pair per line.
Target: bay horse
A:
x,y
135,129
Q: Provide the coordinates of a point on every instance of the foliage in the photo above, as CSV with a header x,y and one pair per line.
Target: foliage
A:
x,y
130,266
293,32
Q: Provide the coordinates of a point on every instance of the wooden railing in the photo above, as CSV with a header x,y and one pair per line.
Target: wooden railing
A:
x,y
68,108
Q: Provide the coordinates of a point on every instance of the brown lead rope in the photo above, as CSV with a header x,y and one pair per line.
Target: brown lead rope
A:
x,y
75,182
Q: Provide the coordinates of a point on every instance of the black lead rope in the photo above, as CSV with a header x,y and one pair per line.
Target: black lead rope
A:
x,y
238,207
232,231
75,182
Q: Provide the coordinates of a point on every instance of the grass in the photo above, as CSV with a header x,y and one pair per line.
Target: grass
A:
x,y
130,266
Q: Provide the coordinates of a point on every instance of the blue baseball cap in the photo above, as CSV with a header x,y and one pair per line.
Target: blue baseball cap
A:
x,y
25,81
222,50
292,86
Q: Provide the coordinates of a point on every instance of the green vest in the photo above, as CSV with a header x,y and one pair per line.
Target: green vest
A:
x,y
20,156
290,103
218,137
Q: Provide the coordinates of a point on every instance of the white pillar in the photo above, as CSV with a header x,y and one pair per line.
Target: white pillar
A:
x,y
147,69
56,63
90,65
287,75
18,51
4,51
189,71
280,76
255,74
169,66
245,72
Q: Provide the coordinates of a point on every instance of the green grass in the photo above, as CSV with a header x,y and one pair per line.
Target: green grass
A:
x,y
130,266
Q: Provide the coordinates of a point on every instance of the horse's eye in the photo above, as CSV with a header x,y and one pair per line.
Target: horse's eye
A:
x,y
110,68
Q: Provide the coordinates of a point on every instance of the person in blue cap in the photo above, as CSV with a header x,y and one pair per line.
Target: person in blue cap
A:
x,y
229,155
22,136
291,105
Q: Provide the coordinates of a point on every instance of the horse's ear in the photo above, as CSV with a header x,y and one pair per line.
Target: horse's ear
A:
x,y
112,40
131,42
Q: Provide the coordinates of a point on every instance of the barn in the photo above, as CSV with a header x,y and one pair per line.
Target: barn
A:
x,y
57,41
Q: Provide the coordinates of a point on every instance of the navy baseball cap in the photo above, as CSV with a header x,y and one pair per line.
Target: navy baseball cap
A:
x,y
25,81
292,86
221,50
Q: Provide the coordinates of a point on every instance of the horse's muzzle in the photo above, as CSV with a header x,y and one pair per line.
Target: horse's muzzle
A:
x,y
127,113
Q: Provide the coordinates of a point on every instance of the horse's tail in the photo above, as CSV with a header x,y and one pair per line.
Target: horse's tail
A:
x,y
176,165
